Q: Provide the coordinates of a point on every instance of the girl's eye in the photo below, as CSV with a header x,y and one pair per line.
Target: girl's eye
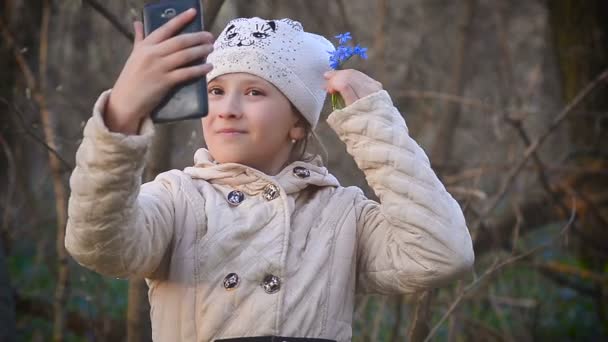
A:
x,y
255,92
215,91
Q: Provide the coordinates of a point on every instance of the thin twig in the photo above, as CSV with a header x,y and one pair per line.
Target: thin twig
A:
x,y
211,10
61,287
421,316
504,325
498,266
30,80
54,162
569,109
396,329
343,15
519,218
379,37
552,194
524,303
99,8
442,148
556,267
30,133
480,327
12,176
435,95
377,322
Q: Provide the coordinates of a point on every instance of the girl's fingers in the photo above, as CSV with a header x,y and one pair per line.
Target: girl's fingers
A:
x,y
351,84
189,73
338,81
172,27
349,94
138,29
184,41
185,56
329,74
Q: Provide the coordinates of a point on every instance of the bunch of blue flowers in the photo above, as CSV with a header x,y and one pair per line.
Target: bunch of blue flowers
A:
x,y
338,57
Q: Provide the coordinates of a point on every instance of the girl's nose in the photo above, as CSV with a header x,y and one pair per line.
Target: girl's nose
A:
x,y
230,108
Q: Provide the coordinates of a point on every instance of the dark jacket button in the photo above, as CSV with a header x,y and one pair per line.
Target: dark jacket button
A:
x,y
231,281
301,172
271,192
235,197
271,284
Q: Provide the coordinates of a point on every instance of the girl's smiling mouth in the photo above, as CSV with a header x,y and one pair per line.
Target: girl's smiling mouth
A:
x,y
230,131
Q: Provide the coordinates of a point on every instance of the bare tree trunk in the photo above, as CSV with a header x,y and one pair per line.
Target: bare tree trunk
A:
x,y
441,151
59,302
138,312
420,317
7,305
580,33
442,148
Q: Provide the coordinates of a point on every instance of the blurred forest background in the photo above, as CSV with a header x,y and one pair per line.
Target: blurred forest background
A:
x,y
508,97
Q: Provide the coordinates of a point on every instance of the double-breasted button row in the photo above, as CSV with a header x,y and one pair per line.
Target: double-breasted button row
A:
x,y
235,197
301,172
269,192
231,281
271,283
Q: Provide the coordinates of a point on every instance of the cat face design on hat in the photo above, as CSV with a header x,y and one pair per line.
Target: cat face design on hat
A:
x,y
280,52
242,32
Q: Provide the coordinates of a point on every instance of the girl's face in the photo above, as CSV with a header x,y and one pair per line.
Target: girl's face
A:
x,y
250,122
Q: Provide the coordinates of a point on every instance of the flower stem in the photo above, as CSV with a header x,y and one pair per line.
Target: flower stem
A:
x,y
337,102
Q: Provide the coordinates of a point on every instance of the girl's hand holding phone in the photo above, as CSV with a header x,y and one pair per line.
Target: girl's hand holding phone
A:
x,y
156,65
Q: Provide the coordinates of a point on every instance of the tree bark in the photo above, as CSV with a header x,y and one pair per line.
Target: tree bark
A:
x,y
7,305
580,35
441,151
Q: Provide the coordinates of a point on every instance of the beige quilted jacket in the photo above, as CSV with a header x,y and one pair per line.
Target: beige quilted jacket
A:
x,y
229,251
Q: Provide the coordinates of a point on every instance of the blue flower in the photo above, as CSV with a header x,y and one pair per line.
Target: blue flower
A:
x,y
361,51
334,64
344,52
344,37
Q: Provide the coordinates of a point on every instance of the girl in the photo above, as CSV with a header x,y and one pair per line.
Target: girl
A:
x,y
257,239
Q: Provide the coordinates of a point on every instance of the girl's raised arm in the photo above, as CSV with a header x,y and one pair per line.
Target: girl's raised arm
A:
x,y
114,226
416,237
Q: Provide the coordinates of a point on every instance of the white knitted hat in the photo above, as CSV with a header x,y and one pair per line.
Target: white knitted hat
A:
x,y
280,52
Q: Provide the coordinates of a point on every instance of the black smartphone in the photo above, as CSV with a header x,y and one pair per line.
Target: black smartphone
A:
x,y
187,100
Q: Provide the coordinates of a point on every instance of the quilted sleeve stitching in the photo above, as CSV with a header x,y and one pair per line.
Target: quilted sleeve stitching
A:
x,y
417,236
108,230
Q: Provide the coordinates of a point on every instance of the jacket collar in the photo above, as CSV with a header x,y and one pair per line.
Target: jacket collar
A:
x,y
252,181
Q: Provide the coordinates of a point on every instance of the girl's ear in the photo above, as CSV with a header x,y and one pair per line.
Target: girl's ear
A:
x,y
298,130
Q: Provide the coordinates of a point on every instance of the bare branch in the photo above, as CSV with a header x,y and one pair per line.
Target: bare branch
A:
x,y
569,270
436,95
67,166
12,176
98,7
377,322
211,10
379,37
342,10
567,111
441,150
498,266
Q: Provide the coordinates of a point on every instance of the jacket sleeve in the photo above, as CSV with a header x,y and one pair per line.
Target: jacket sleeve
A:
x,y
116,227
416,237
